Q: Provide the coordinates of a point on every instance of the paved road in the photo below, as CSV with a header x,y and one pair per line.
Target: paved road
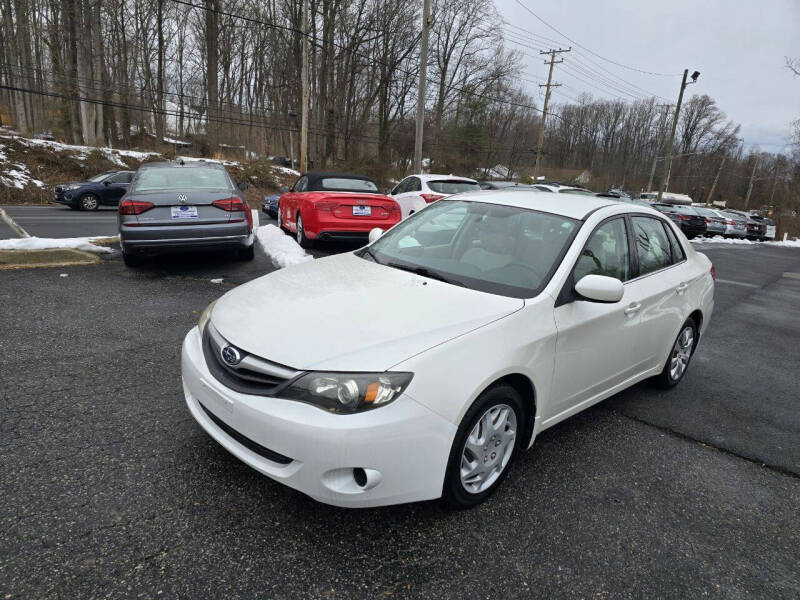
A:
x,y
55,221
110,490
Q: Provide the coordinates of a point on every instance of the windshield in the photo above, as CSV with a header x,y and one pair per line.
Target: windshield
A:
x,y
181,178
487,247
347,184
99,178
452,186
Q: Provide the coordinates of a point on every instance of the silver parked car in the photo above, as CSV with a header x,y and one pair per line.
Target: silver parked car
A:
x,y
172,206
715,223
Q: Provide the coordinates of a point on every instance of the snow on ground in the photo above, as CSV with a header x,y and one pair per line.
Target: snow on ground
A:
x,y
82,152
743,242
227,163
286,171
282,250
15,175
37,243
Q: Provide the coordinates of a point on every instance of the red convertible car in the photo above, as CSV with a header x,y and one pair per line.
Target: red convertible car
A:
x,y
335,206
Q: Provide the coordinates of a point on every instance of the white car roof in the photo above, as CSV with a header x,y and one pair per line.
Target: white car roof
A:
x,y
573,206
435,177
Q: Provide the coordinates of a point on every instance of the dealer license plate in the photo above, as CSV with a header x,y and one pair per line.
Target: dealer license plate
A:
x,y
184,212
362,211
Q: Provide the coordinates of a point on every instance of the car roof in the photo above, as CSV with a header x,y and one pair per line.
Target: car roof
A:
x,y
434,176
576,207
186,165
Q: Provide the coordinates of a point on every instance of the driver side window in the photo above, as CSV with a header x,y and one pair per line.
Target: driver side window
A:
x,y
301,185
606,252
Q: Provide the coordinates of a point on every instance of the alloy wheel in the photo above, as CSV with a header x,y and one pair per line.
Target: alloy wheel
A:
x,y
488,448
681,353
89,202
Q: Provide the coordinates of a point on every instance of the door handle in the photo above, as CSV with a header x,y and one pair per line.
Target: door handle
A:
x,y
632,309
681,287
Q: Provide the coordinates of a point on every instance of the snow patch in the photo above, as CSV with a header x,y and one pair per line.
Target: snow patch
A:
x,y
286,171
37,243
82,152
227,163
217,280
744,242
282,250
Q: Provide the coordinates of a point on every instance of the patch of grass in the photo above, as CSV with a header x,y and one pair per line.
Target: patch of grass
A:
x,y
57,257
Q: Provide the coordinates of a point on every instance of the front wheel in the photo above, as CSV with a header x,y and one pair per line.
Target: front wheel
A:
x,y
483,447
679,356
89,202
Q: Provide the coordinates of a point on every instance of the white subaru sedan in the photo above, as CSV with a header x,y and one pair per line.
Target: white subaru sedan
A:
x,y
419,366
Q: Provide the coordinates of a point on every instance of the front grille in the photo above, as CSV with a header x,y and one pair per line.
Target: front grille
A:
x,y
252,375
246,441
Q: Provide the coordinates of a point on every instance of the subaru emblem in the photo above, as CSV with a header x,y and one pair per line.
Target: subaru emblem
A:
x,y
182,198
231,355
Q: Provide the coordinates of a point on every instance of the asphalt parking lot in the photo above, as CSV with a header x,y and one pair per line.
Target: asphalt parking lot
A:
x,y
110,489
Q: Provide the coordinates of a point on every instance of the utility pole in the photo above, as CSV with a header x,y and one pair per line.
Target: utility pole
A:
x,y
668,154
774,186
750,186
714,185
660,145
304,108
423,65
548,85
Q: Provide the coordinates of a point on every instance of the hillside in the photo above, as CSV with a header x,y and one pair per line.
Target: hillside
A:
x,y
29,168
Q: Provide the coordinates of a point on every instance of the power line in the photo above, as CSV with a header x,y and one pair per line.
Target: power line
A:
x,y
593,52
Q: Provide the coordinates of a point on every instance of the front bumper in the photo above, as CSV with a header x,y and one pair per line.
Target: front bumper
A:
x,y
404,446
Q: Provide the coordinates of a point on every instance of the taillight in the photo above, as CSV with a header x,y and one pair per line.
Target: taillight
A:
x,y
394,209
683,217
713,273
708,220
326,205
134,207
235,204
431,197
729,222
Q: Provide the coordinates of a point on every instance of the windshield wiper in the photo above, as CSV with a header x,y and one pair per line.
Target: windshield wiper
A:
x,y
425,272
371,254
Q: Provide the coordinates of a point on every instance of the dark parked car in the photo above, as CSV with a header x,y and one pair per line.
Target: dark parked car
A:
x,y
177,207
105,189
687,218
269,205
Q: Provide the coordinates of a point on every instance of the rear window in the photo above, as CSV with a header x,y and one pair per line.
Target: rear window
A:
x,y
347,184
450,186
182,178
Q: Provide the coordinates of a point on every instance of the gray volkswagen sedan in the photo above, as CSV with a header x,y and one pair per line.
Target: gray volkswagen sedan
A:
x,y
176,206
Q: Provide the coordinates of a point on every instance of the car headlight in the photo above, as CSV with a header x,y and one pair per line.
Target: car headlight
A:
x,y
347,392
73,187
205,317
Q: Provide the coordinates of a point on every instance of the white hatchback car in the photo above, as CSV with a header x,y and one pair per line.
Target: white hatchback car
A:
x,y
418,366
415,192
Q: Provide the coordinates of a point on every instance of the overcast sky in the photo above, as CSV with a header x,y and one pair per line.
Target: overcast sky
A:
x,y
737,45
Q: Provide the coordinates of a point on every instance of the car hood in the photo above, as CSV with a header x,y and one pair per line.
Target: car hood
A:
x,y
345,313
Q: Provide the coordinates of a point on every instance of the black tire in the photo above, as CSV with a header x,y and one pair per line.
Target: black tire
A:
x,y
248,253
89,202
278,219
131,260
454,494
301,237
667,379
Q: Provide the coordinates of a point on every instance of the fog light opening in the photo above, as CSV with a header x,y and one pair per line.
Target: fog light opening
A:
x,y
360,475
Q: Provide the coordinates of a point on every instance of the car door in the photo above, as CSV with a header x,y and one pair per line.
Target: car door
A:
x,y
408,188
114,187
662,279
595,341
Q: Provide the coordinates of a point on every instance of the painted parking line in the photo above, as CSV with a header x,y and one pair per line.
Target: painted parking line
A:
x,y
791,275
741,283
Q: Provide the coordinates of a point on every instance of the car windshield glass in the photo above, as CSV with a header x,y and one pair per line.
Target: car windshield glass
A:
x,y
347,184
181,178
449,186
99,178
493,248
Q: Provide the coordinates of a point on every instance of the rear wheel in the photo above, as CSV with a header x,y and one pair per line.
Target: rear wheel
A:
x,y
89,202
679,357
301,234
483,447
248,253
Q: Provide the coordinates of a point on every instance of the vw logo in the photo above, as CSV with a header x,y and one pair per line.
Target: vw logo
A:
x,y
231,355
182,198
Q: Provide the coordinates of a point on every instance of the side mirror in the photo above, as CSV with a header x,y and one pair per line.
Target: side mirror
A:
x,y
599,288
284,189
374,234
243,185
388,191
